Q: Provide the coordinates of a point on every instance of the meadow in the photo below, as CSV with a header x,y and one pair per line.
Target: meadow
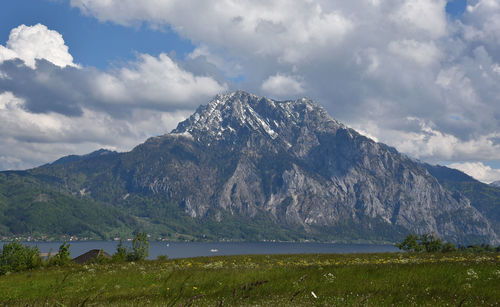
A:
x,y
400,279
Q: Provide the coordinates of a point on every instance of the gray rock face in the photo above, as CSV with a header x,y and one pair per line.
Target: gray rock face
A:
x,y
495,184
246,155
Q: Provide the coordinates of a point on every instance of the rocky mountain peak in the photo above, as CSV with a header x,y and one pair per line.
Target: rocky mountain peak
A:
x,y
228,114
284,165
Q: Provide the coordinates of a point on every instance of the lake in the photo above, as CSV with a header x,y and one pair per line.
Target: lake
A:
x,y
197,249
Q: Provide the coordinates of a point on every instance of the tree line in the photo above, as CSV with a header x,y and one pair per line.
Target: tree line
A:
x,y
16,257
432,244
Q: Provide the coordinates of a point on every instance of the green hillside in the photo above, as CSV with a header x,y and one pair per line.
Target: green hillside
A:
x,y
31,208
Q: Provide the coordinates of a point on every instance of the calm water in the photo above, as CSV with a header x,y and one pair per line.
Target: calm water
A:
x,y
189,249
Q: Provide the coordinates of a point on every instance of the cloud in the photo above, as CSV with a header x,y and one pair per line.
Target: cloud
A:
x,y
49,107
279,28
400,70
427,143
283,86
230,67
29,139
154,81
427,16
478,170
421,53
30,43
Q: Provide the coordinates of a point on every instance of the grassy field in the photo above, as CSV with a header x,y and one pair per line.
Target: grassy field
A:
x,y
456,279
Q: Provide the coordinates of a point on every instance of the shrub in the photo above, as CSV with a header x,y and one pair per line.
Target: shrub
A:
x,y
121,253
162,258
426,242
15,257
430,243
101,259
448,247
410,244
139,251
140,247
63,257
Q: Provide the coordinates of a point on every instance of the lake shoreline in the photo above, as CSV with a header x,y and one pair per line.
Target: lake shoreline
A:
x,y
199,249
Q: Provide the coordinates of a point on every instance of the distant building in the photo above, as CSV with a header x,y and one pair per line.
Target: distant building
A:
x,y
91,255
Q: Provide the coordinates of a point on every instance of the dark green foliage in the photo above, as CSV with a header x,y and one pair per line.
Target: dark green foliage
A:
x,y
121,253
15,257
476,248
31,208
410,244
140,248
448,247
138,252
426,242
63,257
430,243
101,259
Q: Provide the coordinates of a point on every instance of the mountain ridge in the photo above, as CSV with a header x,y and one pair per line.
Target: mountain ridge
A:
x,y
287,164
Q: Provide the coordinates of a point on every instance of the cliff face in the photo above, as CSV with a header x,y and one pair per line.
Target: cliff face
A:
x,y
250,156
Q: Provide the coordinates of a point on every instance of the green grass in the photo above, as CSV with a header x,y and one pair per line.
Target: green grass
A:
x,y
279,280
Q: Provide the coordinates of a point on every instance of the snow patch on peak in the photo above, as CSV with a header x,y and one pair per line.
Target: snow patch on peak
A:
x,y
263,124
224,115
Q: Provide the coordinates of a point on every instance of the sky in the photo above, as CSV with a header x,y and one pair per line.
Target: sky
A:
x,y
419,75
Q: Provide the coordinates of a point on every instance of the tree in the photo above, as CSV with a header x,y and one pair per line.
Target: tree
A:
x,y
15,257
121,252
410,244
63,257
430,243
140,247
139,251
448,247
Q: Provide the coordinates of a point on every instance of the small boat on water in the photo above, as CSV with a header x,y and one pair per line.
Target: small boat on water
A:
x,y
213,250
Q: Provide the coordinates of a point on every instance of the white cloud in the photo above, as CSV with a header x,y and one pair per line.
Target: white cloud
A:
x,y
421,53
369,62
6,54
481,24
30,43
28,139
149,82
422,15
278,28
230,67
283,86
429,144
154,80
496,68
47,111
478,171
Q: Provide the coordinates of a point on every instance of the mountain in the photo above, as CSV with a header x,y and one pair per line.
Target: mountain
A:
x,y
75,158
30,207
485,198
495,184
245,167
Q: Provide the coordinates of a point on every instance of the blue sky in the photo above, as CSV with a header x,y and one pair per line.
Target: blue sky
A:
x,y
84,74
456,8
101,44
91,42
